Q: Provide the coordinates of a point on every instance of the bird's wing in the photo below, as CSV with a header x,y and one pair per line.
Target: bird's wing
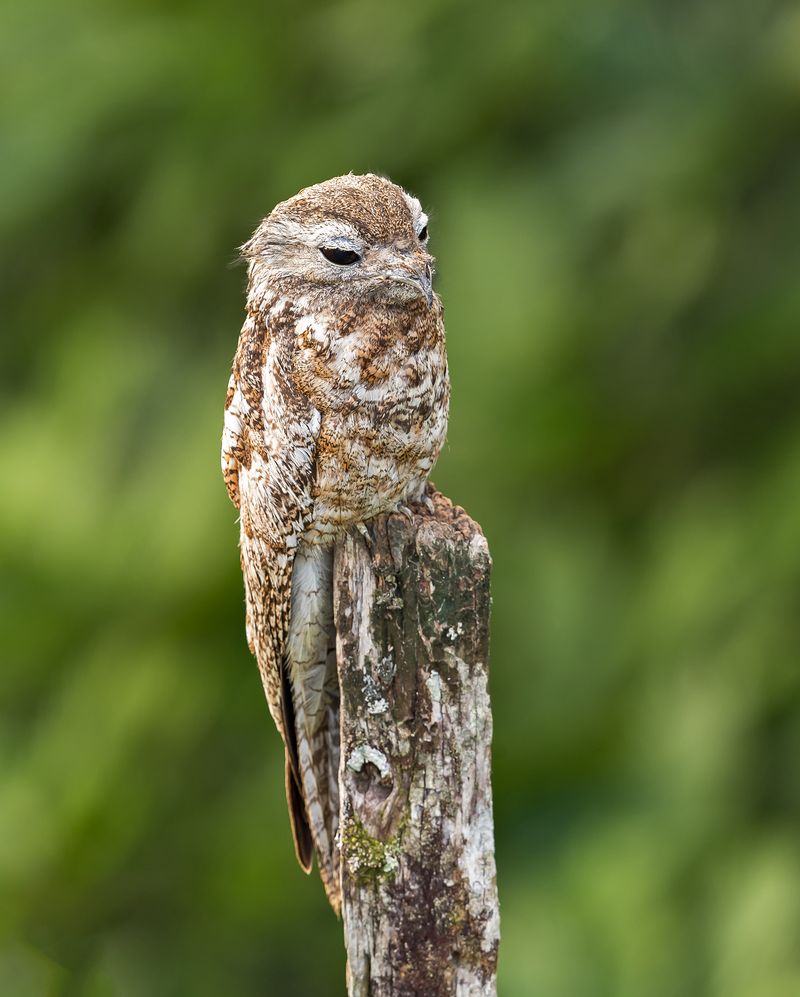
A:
x,y
268,461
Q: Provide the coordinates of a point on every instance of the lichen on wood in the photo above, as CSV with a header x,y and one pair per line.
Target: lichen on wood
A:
x,y
411,608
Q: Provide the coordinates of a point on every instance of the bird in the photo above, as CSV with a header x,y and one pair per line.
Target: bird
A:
x,y
336,411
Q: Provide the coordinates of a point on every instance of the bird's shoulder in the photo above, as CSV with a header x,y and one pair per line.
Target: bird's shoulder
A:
x,y
270,427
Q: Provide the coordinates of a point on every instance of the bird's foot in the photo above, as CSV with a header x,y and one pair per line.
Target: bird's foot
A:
x,y
405,511
366,533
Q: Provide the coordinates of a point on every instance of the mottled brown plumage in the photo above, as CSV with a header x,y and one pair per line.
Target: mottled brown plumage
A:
x,y
336,411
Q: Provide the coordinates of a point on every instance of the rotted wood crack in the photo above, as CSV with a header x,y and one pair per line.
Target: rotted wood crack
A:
x,y
411,608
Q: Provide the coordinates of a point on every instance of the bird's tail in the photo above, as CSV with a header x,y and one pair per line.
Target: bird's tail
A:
x,y
313,681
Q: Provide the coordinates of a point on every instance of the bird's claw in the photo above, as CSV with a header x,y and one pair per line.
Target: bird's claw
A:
x,y
405,511
364,530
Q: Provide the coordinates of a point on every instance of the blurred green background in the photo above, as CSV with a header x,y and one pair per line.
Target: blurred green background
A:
x,y
614,190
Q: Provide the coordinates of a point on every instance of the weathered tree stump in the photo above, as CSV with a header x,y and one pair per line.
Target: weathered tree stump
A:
x,y
411,608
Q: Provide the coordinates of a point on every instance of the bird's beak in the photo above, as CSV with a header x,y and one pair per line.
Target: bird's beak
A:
x,y
416,275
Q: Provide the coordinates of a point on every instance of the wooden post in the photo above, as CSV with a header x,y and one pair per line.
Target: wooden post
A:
x,y
411,608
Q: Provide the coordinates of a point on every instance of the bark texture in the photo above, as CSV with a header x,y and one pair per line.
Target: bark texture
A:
x,y
417,840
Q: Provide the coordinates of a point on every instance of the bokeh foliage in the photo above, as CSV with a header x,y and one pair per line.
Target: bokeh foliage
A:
x,y
614,196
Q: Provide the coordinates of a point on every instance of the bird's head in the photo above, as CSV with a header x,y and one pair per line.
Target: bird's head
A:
x,y
358,236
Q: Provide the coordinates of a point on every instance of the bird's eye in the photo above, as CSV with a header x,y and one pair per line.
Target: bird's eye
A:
x,y
422,235
342,257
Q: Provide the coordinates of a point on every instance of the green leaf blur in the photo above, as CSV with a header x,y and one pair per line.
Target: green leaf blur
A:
x,y
613,189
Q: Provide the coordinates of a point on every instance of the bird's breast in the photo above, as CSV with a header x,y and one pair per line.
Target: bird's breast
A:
x,y
383,395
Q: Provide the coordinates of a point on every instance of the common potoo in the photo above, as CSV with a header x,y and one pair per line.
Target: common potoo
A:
x,y
336,411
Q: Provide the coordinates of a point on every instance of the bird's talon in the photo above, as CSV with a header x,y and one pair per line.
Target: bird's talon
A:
x,y
364,530
405,511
